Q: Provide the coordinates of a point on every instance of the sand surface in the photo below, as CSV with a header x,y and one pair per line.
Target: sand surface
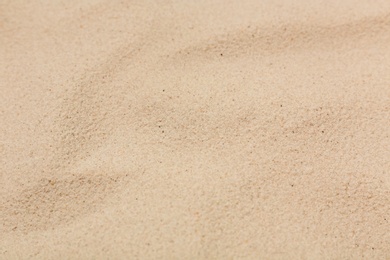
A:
x,y
194,129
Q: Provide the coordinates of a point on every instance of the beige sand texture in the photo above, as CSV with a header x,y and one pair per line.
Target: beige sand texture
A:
x,y
194,129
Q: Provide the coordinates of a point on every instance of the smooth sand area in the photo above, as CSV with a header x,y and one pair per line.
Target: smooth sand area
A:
x,y
194,129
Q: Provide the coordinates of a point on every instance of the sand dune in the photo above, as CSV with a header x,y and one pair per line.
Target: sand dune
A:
x,y
194,129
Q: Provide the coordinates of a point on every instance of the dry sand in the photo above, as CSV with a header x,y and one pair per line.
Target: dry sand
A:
x,y
194,129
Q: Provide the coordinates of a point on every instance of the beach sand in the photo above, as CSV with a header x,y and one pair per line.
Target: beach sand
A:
x,y
194,129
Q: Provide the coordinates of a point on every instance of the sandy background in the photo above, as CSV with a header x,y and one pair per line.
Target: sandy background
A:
x,y
194,129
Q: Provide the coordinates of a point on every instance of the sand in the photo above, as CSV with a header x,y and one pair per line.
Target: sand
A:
x,y
194,129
